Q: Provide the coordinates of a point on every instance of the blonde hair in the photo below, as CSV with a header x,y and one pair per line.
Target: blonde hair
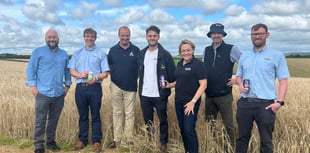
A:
x,y
185,41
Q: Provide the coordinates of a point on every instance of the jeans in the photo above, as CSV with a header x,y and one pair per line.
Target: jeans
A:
x,y
123,105
222,104
187,125
89,97
46,109
247,112
160,104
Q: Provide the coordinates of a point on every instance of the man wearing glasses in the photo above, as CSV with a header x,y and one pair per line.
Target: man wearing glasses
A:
x,y
260,66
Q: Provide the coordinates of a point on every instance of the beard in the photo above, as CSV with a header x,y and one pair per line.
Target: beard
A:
x,y
52,44
125,43
152,44
259,44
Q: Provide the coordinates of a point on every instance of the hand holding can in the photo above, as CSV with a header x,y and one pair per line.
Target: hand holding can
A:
x,y
162,81
246,84
90,75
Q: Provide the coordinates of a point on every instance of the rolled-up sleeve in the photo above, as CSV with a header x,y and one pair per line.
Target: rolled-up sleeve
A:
x,y
32,68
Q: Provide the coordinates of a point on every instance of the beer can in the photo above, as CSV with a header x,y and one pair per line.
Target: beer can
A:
x,y
246,83
162,81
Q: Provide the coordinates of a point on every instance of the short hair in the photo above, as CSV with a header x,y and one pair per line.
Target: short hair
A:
x,y
91,31
51,29
185,41
259,25
153,28
123,27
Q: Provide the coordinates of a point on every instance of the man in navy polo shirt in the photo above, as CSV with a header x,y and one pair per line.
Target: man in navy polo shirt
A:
x,y
123,59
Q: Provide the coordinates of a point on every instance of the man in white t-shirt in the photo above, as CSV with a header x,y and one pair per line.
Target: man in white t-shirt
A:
x,y
156,62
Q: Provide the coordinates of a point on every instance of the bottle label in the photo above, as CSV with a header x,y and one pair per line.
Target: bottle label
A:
x,y
90,76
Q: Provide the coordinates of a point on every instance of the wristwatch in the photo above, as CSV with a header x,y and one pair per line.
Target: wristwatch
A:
x,y
280,102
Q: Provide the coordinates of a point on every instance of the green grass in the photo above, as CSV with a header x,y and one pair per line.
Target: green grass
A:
x,y
299,67
22,144
4,140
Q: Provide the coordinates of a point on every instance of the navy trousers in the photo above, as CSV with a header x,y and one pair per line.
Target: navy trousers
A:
x,y
160,104
187,125
89,98
247,112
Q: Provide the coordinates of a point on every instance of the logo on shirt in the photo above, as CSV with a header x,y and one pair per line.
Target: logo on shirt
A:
x,y
162,66
131,54
267,58
188,69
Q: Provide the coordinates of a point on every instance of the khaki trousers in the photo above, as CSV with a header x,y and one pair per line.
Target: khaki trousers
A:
x,y
123,105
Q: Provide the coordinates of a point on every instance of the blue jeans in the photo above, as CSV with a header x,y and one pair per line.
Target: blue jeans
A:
x,y
46,108
89,97
160,104
187,125
247,112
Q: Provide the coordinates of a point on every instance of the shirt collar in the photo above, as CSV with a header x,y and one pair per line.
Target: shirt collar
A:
x,y
122,47
260,51
94,48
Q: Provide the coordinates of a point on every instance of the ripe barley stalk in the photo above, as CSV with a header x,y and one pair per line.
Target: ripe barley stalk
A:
x,y
292,130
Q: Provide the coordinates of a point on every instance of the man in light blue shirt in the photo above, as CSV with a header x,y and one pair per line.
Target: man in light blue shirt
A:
x,y
261,67
49,79
89,65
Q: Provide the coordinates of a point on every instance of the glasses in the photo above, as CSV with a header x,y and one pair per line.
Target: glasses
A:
x,y
258,34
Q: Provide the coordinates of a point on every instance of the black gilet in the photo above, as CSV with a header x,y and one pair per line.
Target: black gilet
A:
x,y
219,69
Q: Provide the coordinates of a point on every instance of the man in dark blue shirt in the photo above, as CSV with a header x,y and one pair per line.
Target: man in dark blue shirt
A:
x,y
123,60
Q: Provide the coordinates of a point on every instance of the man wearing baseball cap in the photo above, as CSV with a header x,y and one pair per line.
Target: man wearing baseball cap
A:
x,y
219,59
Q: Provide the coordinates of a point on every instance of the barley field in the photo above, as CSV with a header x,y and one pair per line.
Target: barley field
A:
x,y
291,135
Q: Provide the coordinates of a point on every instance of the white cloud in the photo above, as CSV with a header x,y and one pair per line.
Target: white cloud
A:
x,y
213,6
234,10
130,15
190,21
207,6
112,2
6,2
112,12
173,3
44,11
84,10
22,24
278,8
158,16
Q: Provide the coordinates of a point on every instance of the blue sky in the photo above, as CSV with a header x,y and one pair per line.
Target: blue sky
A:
x,y
23,23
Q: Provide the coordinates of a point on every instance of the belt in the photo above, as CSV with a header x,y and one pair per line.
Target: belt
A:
x,y
259,100
85,84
